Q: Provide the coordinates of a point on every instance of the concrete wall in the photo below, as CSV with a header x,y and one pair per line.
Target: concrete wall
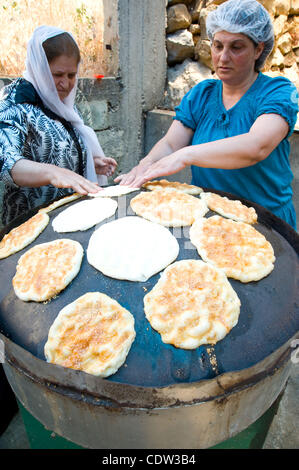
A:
x,y
142,61
116,106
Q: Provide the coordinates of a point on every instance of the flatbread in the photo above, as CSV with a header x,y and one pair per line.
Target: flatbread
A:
x,y
84,214
192,304
113,191
165,184
131,248
93,334
236,247
169,208
21,236
61,202
229,208
46,269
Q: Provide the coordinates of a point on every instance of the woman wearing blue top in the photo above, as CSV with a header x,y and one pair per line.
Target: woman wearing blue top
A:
x,y
233,131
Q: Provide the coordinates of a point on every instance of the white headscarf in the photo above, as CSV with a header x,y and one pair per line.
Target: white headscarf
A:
x,y
38,73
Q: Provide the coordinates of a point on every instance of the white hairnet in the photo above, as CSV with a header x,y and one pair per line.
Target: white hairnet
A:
x,y
38,73
248,17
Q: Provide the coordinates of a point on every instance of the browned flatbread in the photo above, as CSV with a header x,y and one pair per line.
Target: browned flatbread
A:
x,y
94,334
165,184
192,304
169,208
236,247
61,202
46,269
232,209
21,236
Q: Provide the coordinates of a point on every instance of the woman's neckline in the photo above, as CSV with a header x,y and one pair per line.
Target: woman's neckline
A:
x,y
248,91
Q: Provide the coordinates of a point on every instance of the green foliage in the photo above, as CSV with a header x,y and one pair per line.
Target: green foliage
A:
x,y
83,17
9,4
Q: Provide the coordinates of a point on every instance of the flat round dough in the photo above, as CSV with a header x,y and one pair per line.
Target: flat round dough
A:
x,y
131,248
46,269
169,208
165,184
61,202
93,334
84,214
192,304
113,191
236,247
232,209
21,236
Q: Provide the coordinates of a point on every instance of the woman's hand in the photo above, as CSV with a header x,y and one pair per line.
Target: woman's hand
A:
x,y
177,137
26,173
64,178
165,166
136,173
104,165
127,178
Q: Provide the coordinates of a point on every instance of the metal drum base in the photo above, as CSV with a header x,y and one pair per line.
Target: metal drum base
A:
x,y
251,438
88,421
39,437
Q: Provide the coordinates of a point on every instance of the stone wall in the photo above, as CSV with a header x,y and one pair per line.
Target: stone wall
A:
x,y
188,47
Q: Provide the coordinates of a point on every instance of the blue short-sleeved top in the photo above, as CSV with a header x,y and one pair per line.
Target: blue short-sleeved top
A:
x,y
267,182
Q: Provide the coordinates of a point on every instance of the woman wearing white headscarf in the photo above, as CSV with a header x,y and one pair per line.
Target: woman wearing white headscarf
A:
x,y
46,150
233,131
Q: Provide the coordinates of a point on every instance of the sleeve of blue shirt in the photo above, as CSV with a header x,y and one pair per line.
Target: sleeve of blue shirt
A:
x,y
189,111
279,96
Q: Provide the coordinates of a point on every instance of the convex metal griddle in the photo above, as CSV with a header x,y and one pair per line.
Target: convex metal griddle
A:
x,y
155,374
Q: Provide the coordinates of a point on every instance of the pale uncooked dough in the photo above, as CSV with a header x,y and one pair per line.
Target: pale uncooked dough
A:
x,y
84,214
112,191
132,248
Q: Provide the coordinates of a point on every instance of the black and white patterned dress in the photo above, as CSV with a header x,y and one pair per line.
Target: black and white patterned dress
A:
x,y
29,130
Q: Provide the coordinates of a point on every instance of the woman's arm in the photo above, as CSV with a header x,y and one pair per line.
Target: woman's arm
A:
x,y
231,153
35,174
24,172
177,137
